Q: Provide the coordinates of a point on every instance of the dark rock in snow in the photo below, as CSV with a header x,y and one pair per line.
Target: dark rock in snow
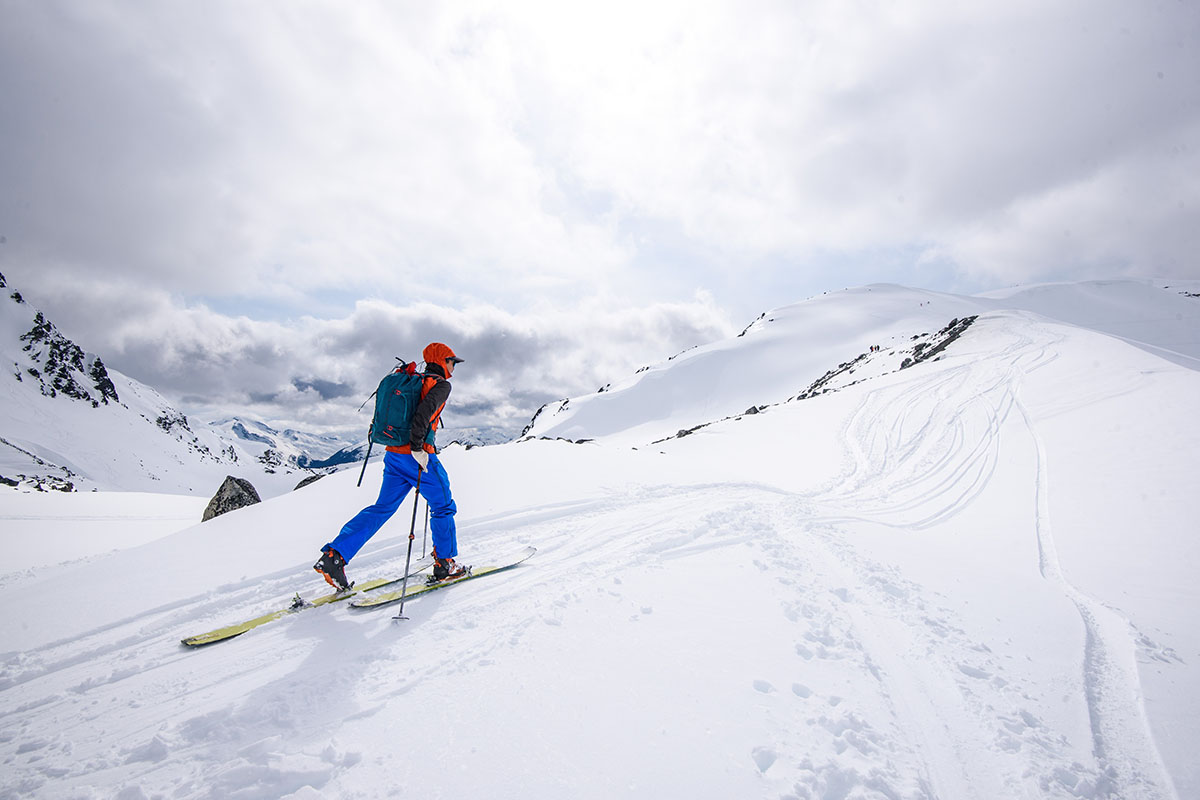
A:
x,y
170,420
941,340
65,368
307,481
234,493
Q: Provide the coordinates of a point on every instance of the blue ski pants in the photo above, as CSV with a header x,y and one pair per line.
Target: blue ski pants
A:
x,y
399,475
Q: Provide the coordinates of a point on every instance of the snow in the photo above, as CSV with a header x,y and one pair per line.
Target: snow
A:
x,y
971,578
46,529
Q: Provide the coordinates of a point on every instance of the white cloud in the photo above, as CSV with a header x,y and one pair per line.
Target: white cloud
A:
x,y
800,129
528,167
316,371
492,152
1087,228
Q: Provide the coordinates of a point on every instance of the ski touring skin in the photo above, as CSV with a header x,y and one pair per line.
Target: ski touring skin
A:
x,y
300,604
394,596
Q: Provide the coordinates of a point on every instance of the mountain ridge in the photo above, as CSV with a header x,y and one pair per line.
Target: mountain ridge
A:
x,y
70,424
837,332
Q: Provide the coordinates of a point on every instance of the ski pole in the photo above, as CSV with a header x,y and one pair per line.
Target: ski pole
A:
x,y
425,537
370,444
412,534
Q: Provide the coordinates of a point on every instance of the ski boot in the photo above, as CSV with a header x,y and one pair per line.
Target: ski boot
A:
x,y
445,569
333,569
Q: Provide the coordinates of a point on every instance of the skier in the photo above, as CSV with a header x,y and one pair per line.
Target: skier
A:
x,y
401,467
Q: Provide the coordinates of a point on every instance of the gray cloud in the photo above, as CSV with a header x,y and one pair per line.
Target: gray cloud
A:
x,y
217,152
262,204
495,154
326,390
316,372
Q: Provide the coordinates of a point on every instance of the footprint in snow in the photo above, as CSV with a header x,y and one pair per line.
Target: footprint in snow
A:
x,y
898,592
1021,722
764,757
973,672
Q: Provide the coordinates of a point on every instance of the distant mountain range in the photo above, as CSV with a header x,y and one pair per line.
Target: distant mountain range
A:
x,y
298,448
69,423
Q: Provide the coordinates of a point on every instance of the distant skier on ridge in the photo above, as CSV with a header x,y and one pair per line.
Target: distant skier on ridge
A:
x,y
402,465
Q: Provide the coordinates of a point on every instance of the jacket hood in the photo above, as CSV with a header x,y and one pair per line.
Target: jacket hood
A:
x,y
437,353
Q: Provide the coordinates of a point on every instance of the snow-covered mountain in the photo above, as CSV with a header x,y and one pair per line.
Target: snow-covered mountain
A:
x,y
70,423
290,447
909,546
854,334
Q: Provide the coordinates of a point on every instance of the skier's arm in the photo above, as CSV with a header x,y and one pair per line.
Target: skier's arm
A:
x,y
427,411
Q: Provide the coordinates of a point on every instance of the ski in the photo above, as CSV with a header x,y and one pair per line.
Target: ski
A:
x,y
299,604
387,598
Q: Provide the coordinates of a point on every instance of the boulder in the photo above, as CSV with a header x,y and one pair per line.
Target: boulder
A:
x,y
307,481
234,493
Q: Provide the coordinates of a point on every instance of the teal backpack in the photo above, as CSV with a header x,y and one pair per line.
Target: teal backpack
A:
x,y
396,400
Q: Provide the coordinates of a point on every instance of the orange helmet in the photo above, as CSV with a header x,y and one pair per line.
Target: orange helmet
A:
x,y
438,353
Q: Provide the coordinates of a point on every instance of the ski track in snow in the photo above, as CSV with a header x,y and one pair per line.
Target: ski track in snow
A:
x,y
944,469
880,691
1124,748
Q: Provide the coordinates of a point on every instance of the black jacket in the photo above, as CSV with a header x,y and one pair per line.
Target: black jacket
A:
x,y
429,410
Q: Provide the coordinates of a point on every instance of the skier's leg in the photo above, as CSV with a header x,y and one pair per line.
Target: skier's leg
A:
x,y
435,488
367,522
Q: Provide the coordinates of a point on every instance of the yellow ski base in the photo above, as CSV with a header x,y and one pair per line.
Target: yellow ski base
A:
x,y
228,632
387,598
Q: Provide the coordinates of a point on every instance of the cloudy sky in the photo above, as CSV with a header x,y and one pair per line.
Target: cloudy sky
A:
x,y
253,206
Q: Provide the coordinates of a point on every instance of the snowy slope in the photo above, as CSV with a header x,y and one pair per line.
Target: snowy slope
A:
x,y
795,345
69,423
1158,316
970,578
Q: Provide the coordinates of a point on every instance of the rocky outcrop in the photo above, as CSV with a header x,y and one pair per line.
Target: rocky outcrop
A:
x,y
234,493
172,421
64,367
307,481
819,385
924,351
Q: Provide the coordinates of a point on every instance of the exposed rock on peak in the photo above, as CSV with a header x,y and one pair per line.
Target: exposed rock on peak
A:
x,y
62,367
